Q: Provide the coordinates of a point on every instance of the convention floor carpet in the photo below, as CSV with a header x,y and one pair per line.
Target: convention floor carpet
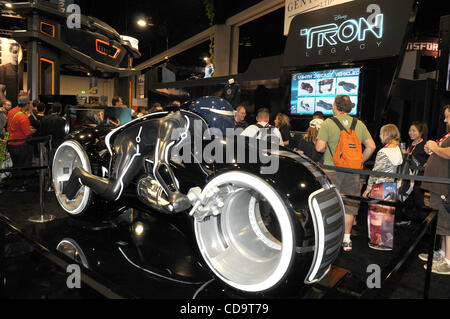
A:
x,y
41,281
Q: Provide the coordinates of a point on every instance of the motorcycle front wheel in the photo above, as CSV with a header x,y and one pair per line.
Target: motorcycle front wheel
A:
x,y
250,242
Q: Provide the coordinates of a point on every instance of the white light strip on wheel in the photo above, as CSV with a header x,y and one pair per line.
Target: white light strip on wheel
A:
x,y
281,212
320,234
257,229
85,165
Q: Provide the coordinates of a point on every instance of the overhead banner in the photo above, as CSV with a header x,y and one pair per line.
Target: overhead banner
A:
x,y
426,46
296,7
10,58
348,32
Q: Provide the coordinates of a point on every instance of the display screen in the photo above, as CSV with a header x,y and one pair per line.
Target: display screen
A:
x,y
316,91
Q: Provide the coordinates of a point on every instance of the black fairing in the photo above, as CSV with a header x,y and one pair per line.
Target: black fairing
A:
x,y
296,178
92,138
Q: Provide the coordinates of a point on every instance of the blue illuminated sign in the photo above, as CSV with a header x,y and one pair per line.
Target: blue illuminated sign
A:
x,y
347,32
353,31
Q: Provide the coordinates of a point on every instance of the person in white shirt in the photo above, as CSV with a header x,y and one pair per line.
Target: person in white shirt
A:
x,y
262,119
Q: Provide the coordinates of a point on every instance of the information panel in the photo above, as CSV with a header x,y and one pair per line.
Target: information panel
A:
x,y
316,91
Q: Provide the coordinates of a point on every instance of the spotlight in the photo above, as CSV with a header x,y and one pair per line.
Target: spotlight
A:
x,y
139,229
142,23
8,5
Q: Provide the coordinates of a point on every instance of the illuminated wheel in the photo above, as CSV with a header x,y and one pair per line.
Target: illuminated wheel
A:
x,y
249,241
67,157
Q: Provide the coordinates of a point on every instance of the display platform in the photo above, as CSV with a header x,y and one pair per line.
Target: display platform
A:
x,y
151,256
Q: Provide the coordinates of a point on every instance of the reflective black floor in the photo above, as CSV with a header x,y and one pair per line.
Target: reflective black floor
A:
x,y
158,256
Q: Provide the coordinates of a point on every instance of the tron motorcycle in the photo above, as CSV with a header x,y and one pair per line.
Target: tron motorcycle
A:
x,y
260,228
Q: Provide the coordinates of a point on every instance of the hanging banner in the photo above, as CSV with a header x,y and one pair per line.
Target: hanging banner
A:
x,y
426,46
296,7
348,32
10,58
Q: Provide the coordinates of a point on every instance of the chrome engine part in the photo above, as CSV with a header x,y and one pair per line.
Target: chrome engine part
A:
x,y
150,193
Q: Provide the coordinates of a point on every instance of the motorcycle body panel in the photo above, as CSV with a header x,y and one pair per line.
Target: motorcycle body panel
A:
x,y
286,224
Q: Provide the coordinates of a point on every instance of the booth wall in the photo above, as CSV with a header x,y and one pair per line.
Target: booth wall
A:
x,y
74,85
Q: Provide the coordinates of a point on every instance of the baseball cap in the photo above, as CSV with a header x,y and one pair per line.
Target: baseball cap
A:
x,y
317,123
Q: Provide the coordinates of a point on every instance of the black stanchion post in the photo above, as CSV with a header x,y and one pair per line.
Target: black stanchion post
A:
x,y
432,244
42,218
49,162
2,261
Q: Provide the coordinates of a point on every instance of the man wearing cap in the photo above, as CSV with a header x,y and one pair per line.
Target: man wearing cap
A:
x,y
19,129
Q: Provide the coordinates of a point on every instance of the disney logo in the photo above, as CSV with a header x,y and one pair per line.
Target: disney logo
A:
x,y
339,17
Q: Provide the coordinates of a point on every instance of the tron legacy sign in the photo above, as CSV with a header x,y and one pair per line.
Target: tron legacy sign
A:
x,y
348,32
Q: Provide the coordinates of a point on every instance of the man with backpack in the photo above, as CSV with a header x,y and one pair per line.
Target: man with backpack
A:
x,y
341,138
263,130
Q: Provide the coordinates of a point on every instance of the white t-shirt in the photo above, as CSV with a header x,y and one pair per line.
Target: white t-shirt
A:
x,y
253,130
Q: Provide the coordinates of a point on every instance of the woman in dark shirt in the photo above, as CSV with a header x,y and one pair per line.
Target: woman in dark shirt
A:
x,y
417,157
282,123
307,145
418,132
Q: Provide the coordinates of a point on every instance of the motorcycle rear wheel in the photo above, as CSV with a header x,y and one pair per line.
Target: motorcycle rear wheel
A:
x,y
68,156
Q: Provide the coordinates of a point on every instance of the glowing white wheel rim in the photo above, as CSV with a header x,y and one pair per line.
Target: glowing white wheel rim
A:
x,y
68,156
236,245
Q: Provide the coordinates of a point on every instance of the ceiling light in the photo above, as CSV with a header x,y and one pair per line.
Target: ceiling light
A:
x,y
142,23
8,5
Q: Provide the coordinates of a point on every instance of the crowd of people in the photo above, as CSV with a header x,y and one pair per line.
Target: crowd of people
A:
x,y
18,126
339,141
323,144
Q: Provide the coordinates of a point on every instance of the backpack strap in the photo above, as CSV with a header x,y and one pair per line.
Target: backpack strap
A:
x,y
354,123
259,126
339,124
10,123
341,127
268,126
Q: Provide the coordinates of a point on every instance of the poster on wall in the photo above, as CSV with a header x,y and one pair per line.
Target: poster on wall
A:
x,y
10,58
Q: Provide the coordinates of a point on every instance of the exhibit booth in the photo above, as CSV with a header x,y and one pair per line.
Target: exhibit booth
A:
x,y
170,205
58,38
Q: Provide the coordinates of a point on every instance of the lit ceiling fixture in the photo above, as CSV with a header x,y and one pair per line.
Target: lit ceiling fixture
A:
x,y
8,5
144,22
